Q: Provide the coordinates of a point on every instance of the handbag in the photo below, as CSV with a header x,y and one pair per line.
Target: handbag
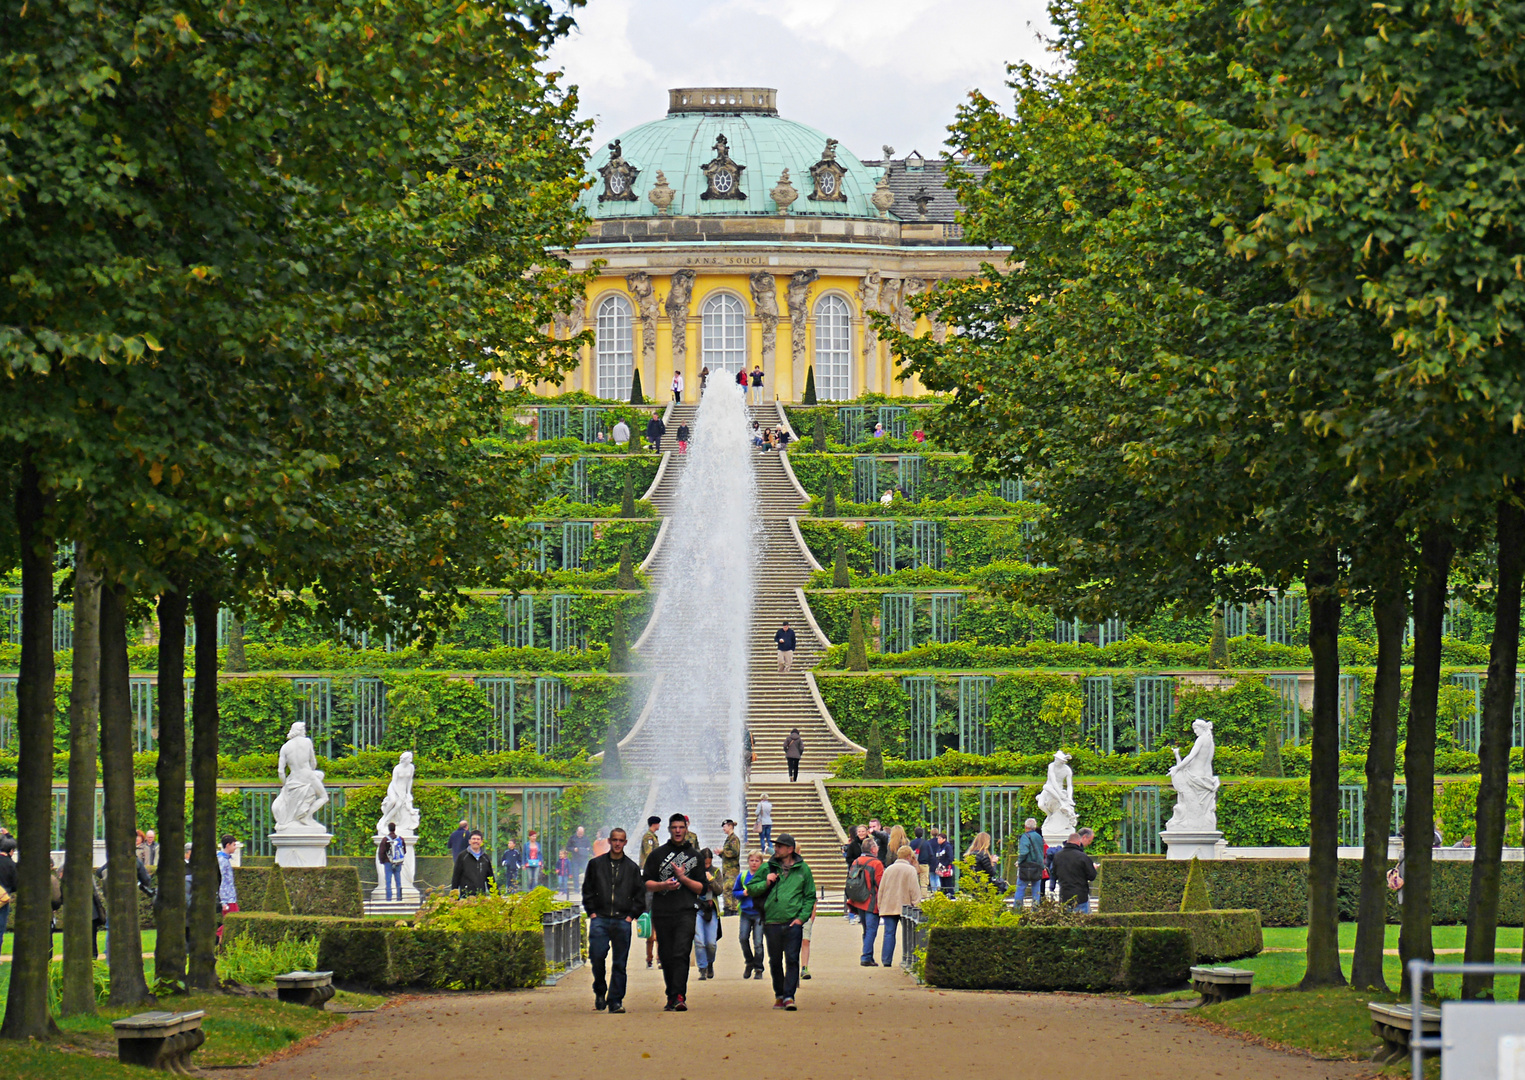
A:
x,y
1030,872
1394,881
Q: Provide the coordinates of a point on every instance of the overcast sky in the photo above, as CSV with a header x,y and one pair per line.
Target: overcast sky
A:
x,y
866,72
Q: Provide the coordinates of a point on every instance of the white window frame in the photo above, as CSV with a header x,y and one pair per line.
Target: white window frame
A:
x,y
833,349
723,333
614,347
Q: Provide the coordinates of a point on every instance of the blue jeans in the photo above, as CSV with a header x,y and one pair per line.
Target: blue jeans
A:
x,y
891,924
784,940
603,932
706,933
765,837
1035,888
393,872
531,877
752,939
871,921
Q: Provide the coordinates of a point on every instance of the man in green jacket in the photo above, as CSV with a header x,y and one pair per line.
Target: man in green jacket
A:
x,y
785,894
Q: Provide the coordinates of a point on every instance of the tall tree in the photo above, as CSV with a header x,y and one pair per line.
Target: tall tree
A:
x,y
78,991
169,900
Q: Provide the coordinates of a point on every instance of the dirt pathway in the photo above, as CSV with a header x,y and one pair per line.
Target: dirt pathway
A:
x,y
840,1032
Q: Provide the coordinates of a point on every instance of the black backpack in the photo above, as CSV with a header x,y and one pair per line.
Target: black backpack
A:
x,y
857,888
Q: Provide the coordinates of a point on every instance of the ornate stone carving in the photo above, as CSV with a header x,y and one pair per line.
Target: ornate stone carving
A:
x,y
883,198
619,177
639,284
679,288
661,194
799,318
570,323
765,307
722,175
905,317
869,290
784,193
923,201
827,174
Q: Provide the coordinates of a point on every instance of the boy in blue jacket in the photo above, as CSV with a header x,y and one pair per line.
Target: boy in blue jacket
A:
x,y
751,919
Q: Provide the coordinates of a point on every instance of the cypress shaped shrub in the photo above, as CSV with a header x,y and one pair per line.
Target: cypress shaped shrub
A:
x,y
857,653
840,579
1270,753
627,501
1195,896
636,397
829,503
809,398
624,577
1216,936
873,758
819,437
277,898
619,650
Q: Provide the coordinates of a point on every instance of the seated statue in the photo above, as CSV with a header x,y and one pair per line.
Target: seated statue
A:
x,y
1057,799
302,792
1196,786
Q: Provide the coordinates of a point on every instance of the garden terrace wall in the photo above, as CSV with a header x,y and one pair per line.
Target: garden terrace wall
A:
x,y
1094,958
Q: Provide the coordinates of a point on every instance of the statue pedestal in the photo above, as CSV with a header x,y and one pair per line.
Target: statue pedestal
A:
x,y
1057,829
301,849
409,890
1186,845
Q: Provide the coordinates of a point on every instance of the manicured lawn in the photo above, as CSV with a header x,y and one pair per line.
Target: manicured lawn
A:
x,y
149,937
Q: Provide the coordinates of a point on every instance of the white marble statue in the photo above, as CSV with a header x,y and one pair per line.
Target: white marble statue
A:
x,y
1057,799
1196,786
302,791
397,808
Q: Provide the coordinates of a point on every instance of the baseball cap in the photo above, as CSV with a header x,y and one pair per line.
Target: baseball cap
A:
x,y
784,838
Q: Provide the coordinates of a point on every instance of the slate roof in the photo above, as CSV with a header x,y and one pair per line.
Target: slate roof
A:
x,y
907,180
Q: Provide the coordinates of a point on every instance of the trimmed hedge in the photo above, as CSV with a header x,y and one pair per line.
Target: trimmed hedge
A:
x,y
308,890
1216,935
1096,958
268,928
385,958
1278,888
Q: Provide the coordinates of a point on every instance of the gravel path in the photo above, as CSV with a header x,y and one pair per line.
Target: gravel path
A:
x,y
839,1033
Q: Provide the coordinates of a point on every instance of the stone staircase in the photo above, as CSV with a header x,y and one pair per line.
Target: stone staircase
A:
x,y
776,702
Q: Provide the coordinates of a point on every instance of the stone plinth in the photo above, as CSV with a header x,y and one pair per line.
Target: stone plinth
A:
x,y
300,849
1185,845
409,890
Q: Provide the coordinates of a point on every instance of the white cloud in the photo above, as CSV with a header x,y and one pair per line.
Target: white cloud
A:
x,y
866,72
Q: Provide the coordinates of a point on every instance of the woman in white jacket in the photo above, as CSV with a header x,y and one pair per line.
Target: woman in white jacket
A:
x,y
899,888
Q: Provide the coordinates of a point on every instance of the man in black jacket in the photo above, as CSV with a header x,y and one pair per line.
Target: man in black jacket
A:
x,y
1075,870
613,895
675,879
655,429
473,867
456,841
785,640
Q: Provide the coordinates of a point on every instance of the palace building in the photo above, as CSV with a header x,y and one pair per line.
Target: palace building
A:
x,y
730,236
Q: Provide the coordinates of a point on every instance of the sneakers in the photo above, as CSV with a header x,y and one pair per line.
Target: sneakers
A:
x,y
709,972
870,962
648,965
778,1003
613,1009
598,1003
804,973
680,1005
789,1005
670,1007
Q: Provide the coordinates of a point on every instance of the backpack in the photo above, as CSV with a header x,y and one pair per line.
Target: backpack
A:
x,y
857,889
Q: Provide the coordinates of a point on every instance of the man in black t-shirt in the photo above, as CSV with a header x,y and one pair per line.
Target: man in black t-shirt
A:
x,y
674,878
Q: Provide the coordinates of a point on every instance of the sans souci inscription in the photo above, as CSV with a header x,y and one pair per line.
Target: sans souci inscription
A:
x,y
725,260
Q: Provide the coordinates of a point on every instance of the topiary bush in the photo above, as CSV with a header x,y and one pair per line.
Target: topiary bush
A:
x,y
1216,936
387,958
268,928
324,890
1095,958
1195,896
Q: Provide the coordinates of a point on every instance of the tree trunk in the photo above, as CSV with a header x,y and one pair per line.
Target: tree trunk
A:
x,y
128,986
202,920
1389,613
26,1004
84,750
169,904
1414,942
1324,776
1493,749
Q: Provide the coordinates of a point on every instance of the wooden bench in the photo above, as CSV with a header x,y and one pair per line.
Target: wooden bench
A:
x,y
1217,984
1393,1024
305,987
159,1040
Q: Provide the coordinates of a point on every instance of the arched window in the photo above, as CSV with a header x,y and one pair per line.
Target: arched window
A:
x,y
723,324
615,347
833,349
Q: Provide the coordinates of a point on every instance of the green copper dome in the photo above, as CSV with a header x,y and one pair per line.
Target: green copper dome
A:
x,y
738,134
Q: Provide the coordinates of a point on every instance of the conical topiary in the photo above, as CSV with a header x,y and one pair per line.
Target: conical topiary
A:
x,y
277,898
624,577
819,438
840,579
619,651
627,503
809,398
1270,750
857,652
829,503
1195,897
233,659
636,397
1217,651
611,768
873,757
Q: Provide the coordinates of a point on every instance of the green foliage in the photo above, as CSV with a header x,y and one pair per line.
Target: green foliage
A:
x,y
268,928
625,577
324,890
355,826
506,912
245,960
277,897
1089,958
857,656
611,768
1271,765
1060,715
873,757
636,398
619,651
390,958
627,509
1217,652
839,573
1240,715
829,506
809,396
1195,897
1216,936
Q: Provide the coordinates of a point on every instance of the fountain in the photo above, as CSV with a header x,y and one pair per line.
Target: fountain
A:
x,y
701,641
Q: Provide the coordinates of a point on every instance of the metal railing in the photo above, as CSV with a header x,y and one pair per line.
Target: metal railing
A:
x,y
562,931
1419,1042
913,936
